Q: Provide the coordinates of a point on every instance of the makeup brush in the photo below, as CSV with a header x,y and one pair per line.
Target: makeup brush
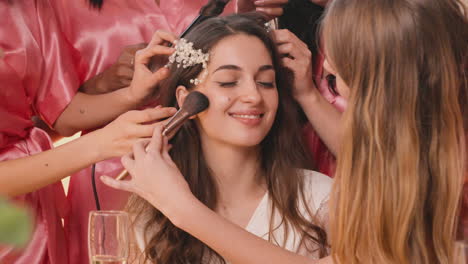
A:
x,y
194,103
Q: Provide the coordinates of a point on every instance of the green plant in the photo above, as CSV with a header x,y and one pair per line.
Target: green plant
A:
x,y
15,224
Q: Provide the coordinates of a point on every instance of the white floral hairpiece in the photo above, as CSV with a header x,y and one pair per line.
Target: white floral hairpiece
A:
x,y
186,56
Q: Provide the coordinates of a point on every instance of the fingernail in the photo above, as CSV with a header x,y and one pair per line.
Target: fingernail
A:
x,y
260,9
257,2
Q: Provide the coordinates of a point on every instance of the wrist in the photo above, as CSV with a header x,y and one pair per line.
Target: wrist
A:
x,y
130,98
307,96
184,211
96,146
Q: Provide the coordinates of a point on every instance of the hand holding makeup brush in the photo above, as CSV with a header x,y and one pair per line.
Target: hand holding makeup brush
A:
x,y
194,103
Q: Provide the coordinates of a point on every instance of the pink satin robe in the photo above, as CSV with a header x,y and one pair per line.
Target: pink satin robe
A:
x,y
100,36
37,78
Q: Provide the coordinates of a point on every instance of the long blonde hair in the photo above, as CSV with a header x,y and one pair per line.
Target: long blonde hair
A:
x,y
400,169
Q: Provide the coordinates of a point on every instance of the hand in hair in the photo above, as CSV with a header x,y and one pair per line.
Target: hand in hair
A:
x,y
144,80
271,8
117,76
155,177
296,56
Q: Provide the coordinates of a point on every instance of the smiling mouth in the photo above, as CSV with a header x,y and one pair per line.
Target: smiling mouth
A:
x,y
247,116
251,120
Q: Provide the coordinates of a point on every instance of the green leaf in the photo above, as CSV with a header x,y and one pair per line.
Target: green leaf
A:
x,y
15,225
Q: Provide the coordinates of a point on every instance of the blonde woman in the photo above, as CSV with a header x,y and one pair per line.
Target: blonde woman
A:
x,y
401,64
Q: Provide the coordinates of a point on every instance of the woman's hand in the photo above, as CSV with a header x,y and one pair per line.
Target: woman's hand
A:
x,y
297,57
155,177
118,137
144,80
117,76
271,8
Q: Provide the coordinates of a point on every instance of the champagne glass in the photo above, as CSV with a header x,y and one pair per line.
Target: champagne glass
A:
x,y
108,238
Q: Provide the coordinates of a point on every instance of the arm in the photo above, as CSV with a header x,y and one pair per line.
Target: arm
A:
x,y
30,173
114,140
240,247
325,119
50,166
157,179
90,111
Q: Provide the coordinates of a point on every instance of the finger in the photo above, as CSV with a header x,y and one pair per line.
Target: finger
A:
x,y
161,36
161,74
139,150
128,162
149,115
288,63
285,48
145,131
165,153
262,3
132,49
155,144
282,36
272,12
144,56
145,142
119,185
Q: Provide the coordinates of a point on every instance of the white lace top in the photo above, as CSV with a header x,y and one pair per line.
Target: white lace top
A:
x,y
317,188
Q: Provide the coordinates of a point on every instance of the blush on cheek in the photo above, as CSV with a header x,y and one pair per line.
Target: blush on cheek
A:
x,y
225,99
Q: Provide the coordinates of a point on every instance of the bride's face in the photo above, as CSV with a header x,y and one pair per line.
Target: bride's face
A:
x,y
242,91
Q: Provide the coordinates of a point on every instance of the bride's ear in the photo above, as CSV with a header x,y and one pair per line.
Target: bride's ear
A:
x,y
181,93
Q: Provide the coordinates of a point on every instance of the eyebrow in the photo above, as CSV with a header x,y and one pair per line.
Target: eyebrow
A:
x,y
237,68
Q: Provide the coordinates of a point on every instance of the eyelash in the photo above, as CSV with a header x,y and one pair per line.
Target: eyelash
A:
x,y
267,84
232,84
227,84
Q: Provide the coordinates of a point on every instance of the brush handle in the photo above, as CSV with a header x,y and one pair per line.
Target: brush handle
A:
x,y
175,122
122,175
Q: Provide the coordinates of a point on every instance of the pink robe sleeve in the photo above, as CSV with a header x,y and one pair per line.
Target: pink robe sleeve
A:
x,y
60,79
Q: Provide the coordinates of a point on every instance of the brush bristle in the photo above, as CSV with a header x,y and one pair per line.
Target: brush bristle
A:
x,y
213,8
195,102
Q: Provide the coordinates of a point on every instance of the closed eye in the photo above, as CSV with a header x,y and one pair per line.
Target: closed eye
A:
x,y
227,84
267,84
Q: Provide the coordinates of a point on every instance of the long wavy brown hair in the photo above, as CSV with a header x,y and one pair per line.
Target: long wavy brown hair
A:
x,y
281,154
400,169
